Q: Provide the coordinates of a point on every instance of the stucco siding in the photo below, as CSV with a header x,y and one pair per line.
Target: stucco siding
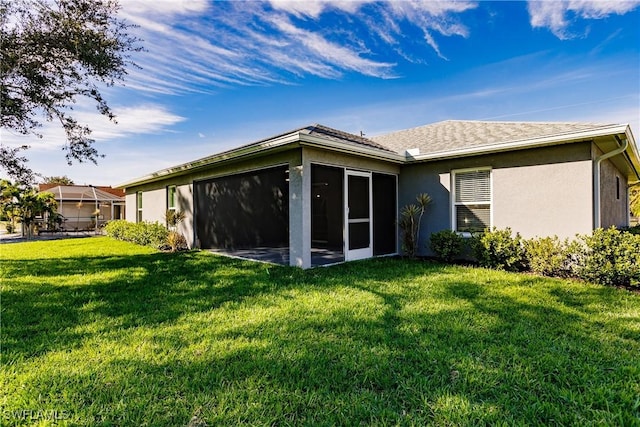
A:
x,y
184,203
130,206
154,205
613,196
331,158
544,200
537,192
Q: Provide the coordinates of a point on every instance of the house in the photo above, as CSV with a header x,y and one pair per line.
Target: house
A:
x,y
317,195
79,205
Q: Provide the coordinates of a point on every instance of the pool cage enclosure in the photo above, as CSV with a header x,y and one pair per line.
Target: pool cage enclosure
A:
x,y
82,208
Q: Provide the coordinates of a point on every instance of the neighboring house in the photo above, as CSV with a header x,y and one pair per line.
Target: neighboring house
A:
x,y
80,204
317,195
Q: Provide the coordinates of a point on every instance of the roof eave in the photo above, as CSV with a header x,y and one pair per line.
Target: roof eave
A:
x,y
523,144
234,154
360,150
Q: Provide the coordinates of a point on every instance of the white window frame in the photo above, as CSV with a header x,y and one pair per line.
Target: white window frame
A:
x,y
175,194
454,204
139,206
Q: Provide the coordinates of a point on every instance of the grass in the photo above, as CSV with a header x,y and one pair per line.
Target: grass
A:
x,y
101,332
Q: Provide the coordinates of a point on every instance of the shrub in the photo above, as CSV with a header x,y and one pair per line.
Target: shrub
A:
x,y
549,256
446,244
609,257
142,233
409,224
176,241
498,249
116,228
633,230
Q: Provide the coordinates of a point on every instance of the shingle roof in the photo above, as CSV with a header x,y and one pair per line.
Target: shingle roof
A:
x,y
459,134
344,137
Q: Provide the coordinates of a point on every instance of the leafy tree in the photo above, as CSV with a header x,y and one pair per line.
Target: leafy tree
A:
x,y
60,180
634,201
25,204
54,52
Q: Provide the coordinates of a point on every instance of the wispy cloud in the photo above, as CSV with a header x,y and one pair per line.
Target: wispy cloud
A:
x,y
558,16
203,46
133,120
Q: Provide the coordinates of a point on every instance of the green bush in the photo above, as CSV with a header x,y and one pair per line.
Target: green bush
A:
x,y
142,233
116,228
499,249
633,230
549,256
447,245
609,257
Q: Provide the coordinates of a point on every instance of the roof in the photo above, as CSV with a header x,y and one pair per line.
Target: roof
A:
x,y
315,135
80,192
452,138
454,135
115,191
340,136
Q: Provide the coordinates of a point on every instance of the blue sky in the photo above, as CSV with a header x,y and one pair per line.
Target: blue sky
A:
x,y
216,75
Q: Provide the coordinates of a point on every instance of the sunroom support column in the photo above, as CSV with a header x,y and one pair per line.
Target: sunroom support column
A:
x,y
299,216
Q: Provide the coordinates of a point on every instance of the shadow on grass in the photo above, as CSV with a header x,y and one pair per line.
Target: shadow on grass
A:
x,y
377,342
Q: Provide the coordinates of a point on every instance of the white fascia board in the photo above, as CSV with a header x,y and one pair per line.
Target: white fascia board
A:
x,y
233,154
521,144
360,150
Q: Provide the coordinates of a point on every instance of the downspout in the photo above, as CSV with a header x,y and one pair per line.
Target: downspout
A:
x,y
596,177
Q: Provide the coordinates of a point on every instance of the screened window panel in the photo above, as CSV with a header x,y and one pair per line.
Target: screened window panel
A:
x,y
473,218
473,187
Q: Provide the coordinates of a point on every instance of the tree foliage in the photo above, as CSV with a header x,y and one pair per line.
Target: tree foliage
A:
x,y
634,201
53,53
60,180
25,204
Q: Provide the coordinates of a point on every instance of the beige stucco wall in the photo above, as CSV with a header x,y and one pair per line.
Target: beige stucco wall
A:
x,y
130,206
544,200
613,209
537,192
154,205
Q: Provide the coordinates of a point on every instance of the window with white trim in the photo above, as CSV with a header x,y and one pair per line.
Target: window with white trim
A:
x,y
471,200
171,198
139,206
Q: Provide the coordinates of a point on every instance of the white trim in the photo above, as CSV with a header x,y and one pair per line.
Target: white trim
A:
x,y
360,253
175,194
453,203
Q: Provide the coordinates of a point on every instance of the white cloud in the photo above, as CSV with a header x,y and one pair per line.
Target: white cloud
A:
x,y
557,15
199,46
314,8
136,120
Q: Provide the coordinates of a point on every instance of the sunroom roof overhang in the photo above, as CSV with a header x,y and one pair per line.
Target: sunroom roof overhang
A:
x,y
264,148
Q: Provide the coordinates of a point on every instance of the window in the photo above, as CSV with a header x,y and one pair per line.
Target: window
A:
x,y
139,206
171,198
471,209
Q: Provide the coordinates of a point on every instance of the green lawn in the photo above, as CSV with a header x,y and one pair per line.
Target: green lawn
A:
x,y
101,332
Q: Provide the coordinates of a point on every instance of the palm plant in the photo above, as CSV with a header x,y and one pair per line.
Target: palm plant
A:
x,y
409,223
